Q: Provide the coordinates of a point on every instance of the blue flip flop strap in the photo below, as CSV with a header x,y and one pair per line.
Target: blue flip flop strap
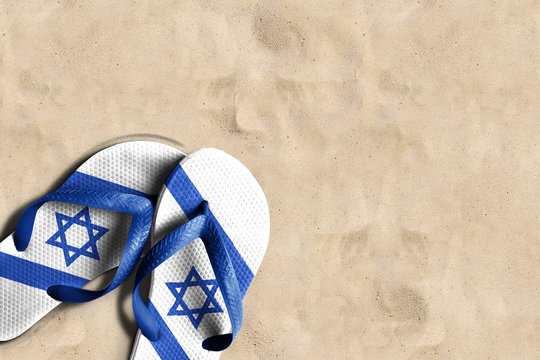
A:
x,y
214,243
204,227
141,210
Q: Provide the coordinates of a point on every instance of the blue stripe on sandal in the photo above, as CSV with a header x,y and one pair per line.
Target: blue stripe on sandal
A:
x,y
35,275
166,346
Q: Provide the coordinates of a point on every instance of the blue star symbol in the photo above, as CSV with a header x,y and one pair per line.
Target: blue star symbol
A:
x,y
180,308
72,253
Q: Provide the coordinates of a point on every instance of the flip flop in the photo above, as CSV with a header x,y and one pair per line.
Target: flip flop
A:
x,y
201,269
80,231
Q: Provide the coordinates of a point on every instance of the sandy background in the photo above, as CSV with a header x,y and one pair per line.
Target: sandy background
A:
x,y
398,143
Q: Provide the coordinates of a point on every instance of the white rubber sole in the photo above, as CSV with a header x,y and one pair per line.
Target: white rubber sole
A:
x,y
239,204
141,166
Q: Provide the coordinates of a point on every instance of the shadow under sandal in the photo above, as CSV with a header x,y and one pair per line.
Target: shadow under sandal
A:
x,y
213,221
97,220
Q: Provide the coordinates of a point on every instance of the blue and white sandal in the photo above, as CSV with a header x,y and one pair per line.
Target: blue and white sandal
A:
x,y
97,220
213,222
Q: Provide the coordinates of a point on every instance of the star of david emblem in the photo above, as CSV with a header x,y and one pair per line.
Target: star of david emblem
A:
x,y
180,308
72,253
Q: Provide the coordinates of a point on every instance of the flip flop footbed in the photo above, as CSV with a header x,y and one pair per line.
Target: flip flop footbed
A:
x,y
73,244
184,296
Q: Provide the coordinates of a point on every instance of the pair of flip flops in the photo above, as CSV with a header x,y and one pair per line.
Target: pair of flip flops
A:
x,y
208,222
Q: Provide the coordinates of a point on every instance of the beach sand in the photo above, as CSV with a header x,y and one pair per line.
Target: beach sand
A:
x,y
397,142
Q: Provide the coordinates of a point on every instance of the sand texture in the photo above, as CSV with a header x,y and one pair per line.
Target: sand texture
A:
x,y
398,144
